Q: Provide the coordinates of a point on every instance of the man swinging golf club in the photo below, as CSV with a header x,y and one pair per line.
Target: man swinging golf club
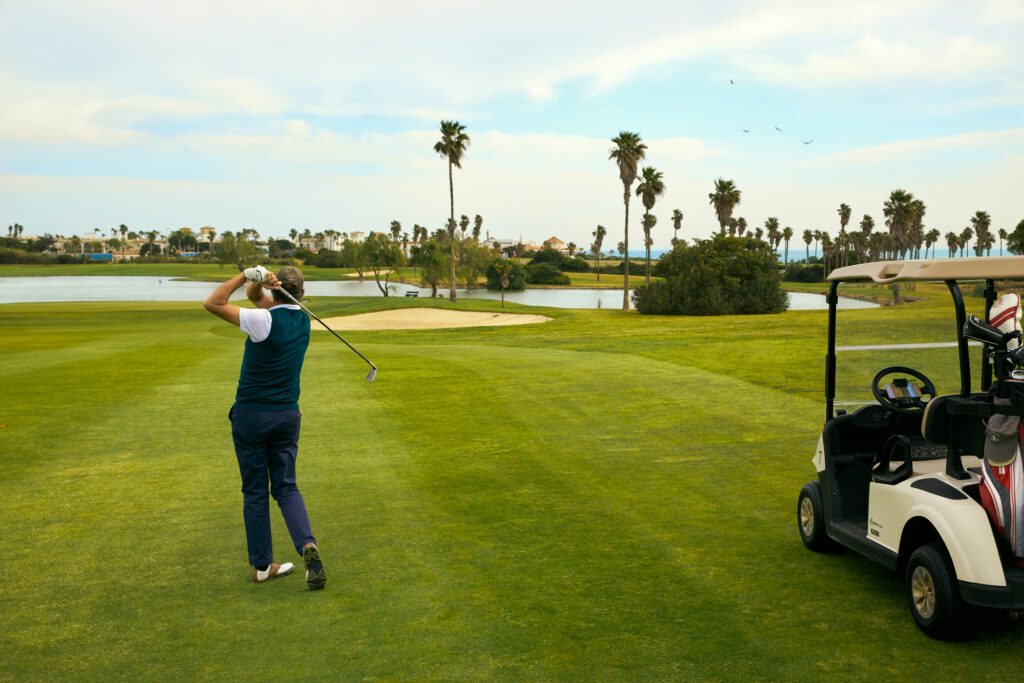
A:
x,y
265,416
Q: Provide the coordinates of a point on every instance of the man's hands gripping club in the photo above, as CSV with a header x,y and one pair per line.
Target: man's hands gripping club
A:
x,y
258,277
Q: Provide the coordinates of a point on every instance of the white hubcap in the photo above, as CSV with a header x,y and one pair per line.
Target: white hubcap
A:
x,y
922,588
807,517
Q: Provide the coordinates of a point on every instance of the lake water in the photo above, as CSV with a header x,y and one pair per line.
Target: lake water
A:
x,y
141,288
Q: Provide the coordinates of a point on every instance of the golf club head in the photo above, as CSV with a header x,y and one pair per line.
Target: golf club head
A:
x,y
372,375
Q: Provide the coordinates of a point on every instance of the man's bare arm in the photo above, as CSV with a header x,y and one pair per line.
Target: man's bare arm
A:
x,y
217,302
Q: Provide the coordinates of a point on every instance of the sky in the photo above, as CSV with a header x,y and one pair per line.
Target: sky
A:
x,y
323,115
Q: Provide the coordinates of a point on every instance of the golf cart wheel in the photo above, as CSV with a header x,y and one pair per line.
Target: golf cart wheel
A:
x,y
934,597
810,519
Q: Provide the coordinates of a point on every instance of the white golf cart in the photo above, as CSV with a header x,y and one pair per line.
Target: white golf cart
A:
x,y
898,477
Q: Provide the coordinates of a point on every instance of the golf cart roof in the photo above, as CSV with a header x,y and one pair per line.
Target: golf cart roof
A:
x,y
981,268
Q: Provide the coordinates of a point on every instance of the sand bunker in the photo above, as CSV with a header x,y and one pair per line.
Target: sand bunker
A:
x,y
426,319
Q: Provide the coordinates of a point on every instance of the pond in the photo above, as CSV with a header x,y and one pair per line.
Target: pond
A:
x,y
144,288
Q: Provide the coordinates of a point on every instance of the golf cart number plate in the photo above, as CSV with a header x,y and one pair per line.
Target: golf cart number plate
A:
x,y
927,452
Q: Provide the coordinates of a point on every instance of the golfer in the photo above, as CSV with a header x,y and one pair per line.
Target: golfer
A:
x,y
265,417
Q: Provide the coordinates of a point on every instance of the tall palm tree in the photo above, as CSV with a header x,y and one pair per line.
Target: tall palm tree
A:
x,y
478,224
396,230
725,197
649,222
981,222
771,226
741,226
844,212
808,238
627,153
650,188
965,238
452,146
931,238
464,224
599,233
677,222
952,241
1002,236
787,234
917,210
899,217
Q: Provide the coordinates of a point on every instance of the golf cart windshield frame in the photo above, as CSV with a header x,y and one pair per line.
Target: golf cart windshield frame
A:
x,y
961,318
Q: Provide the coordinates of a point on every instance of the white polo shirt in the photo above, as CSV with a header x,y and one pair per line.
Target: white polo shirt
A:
x,y
256,322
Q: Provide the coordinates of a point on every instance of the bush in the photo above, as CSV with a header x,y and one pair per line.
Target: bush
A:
x,y
560,261
545,274
516,277
722,276
328,259
798,272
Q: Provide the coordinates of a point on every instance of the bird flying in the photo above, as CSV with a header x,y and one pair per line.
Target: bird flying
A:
x,y
731,82
746,130
807,142
778,129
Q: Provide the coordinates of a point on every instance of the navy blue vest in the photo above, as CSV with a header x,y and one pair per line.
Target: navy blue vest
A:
x,y
270,369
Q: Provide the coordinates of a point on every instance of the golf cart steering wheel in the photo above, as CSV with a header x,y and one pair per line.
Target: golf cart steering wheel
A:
x,y
909,399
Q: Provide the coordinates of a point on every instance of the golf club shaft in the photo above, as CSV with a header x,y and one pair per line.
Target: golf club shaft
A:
x,y
287,294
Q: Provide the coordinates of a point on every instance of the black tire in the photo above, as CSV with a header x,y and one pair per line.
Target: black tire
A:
x,y
810,519
934,596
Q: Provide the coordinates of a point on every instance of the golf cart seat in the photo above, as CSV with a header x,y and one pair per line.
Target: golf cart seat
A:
x,y
958,424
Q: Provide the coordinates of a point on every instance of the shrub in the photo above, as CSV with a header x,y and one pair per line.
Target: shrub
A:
x,y
798,272
328,259
721,276
560,261
545,274
516,276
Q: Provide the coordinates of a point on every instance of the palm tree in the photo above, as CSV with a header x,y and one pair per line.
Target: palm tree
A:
x,y
464,224
844,218
598,234
808,238
981,222
293,233
627,153
1002,236
741,226
899,215
787,234
502,268
478,224
952,241
725,197
396,230
649,222
867,224
733,224
771,226
758,234
965,238
452,146
931,238
677,222
650,188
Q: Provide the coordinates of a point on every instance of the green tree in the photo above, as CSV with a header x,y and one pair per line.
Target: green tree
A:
x,y
741,226
478,224
981,222
725,198
230,250
722,276
651,187
1015,240
383,256
432,263
627,153
452,146
808,238
1002,238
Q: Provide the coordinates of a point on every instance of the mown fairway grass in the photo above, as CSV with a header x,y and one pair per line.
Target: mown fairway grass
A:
x,y
604,496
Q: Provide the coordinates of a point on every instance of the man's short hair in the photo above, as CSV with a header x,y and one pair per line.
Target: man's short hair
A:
x,y
291,278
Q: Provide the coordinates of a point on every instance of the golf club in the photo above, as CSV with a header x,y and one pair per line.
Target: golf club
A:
x,y
372,375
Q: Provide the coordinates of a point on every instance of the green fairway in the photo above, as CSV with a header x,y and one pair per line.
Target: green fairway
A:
x,y
603,496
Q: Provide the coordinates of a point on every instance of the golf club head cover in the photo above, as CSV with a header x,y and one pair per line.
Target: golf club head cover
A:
x,y
1005,316
256,274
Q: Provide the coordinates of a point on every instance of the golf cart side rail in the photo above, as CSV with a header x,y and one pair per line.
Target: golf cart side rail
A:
x,y
978,268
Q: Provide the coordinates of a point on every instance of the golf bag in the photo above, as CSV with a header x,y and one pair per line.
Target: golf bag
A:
x,y
1002,479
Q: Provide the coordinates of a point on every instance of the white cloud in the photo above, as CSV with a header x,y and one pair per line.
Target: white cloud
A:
x,y
904,150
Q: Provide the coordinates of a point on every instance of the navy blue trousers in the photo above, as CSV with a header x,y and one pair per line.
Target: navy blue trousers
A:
x,y
266,445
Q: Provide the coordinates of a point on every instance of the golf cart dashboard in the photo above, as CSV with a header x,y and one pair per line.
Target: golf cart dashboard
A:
x,y
903,392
